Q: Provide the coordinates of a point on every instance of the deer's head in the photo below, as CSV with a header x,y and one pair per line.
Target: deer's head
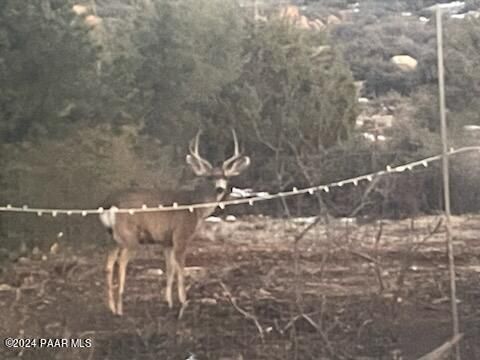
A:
x,y
233,166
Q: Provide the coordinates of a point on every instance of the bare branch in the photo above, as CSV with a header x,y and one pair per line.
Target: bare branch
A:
x,y
442,351
261,138
363,201
407,261
242,311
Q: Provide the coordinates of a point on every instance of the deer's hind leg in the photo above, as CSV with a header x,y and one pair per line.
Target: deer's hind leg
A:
x,y
124,256
180,243
110,267
126,241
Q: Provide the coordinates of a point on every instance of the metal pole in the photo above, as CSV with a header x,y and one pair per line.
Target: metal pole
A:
x,y
446,180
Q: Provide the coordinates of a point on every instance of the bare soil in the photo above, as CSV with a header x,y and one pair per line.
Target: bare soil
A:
x,y
348,292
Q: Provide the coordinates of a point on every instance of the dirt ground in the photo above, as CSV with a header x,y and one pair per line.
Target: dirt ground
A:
x,y
347,291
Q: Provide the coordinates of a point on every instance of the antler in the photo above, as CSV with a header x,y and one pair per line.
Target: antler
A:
x,y
236,153
204,167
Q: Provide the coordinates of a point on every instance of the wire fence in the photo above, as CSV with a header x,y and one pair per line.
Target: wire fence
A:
x,y
255,197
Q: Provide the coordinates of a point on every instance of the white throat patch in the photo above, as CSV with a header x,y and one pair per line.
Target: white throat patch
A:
x,y
221,184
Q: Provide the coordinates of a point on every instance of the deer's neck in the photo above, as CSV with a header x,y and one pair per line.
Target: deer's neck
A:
x,y
204,212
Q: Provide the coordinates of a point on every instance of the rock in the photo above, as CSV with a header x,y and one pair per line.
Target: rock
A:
x,y
155,272
5,287
36,253
208,301
316,24
303,23
383,121
79,9
346,15
230,218
405,62
93,21
289,12
333,20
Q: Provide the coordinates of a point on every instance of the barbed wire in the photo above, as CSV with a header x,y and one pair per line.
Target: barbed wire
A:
x,y
261,196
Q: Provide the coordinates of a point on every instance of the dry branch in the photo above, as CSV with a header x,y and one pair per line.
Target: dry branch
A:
x,y
182,309
363,201
442,351
376,266
306,229
315,325
407,262
242,311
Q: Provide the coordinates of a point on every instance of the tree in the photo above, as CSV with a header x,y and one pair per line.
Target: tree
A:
x,y
462,80
185,52
295,97
47,68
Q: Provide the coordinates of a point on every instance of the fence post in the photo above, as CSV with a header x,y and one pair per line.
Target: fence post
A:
x,y
446,180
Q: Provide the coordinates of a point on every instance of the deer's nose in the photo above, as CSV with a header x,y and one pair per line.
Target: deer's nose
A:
x,y
220,190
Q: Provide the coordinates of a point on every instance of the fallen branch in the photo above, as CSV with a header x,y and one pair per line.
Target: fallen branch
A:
x,y
376,266
321,332
242,311
363,256
315,325
442,351
306,229
408,260
182,309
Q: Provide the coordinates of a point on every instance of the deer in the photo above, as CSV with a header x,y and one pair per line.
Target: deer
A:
x,y
173,229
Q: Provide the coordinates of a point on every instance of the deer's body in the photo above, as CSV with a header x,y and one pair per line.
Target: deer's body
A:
x,y
173,230
154,227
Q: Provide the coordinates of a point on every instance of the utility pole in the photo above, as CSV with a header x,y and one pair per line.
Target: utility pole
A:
x,y
446,180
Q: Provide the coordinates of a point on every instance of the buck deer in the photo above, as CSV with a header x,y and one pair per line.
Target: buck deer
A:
x,y
172,229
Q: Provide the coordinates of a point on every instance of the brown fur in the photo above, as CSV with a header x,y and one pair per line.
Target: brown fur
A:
x,y
174,229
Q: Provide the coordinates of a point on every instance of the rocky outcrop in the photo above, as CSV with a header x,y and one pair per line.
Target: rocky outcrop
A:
x,y
405,62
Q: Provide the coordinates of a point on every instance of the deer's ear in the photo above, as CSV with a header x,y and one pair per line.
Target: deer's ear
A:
x,y
199,167
238,166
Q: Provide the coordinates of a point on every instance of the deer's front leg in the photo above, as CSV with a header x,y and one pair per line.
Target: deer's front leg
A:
x,y
180,269
170,270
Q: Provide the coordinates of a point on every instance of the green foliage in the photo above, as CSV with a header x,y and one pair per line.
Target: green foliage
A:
x,y
47,69
291,72
185,52
145,84
462,64
77,171
462,54
87,162
369,47
198,65
294,96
